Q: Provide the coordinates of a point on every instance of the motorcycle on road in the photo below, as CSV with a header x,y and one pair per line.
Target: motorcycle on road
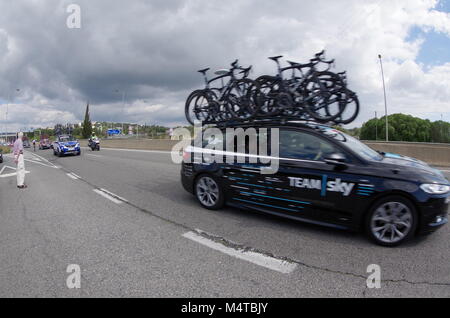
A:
x,y
94,144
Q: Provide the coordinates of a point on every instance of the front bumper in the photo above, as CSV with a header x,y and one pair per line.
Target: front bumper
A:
x,y
68,151
434,214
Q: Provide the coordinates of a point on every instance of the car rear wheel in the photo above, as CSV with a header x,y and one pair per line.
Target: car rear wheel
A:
x,y
391,221
209,192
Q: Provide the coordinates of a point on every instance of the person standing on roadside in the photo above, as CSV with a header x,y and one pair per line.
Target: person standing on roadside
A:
x,y
19,160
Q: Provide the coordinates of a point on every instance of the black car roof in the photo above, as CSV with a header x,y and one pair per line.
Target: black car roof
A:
x,y
276,123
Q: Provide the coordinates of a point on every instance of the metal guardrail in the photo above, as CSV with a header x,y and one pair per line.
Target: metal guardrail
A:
x,y
406,142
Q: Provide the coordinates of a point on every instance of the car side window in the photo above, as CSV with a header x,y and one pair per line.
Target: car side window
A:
x,y
304,146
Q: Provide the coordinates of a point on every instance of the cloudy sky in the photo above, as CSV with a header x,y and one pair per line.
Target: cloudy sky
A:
x,y
149,50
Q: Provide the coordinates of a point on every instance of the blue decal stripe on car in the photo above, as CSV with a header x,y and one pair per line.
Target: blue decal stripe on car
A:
x,y
267,196
324,185
255,185
236,178
365,194
272,206
364,190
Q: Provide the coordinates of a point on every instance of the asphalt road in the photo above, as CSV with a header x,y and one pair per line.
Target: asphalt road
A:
x,y
139,236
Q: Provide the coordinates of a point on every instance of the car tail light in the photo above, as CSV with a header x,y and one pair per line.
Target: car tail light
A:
x,y
186,156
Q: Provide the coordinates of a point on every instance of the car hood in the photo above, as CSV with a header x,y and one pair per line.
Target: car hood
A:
x,y
418,167
68,143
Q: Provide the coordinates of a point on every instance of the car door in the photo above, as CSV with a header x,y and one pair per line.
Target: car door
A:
x,y
330,193
242,176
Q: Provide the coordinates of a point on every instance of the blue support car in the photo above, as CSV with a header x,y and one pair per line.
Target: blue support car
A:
x,y
66,145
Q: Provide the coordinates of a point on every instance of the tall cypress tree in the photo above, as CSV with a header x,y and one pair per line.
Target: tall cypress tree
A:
x,y
87,125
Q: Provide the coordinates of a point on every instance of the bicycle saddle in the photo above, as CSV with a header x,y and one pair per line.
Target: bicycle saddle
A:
x,y
222,72
276,58
204,71
320,53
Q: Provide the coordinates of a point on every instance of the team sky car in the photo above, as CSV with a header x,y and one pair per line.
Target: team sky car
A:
x,y
327,178
65,145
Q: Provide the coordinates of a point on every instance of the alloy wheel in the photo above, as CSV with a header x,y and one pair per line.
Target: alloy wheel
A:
x,y
391,222
207,191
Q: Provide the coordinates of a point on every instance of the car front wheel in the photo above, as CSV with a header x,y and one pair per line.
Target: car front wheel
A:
x,y
391,221
209,192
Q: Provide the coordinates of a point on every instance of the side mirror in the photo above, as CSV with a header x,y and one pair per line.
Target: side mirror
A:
x,y
336,159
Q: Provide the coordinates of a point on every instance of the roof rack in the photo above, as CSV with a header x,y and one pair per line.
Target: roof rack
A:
x,y
266,121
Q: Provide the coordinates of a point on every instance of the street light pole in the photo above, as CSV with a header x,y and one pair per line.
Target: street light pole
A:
x,y
123,103
376,127
6,115
385,100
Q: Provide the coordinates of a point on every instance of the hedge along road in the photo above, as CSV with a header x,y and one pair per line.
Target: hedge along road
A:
x,y
125,219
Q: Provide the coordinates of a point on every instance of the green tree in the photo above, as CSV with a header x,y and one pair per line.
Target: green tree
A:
x,y
440,132
401,128
87,125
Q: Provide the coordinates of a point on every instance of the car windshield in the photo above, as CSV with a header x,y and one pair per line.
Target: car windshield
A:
x,y
352,143
65,139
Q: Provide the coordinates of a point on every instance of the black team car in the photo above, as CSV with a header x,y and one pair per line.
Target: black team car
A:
x,y
328,178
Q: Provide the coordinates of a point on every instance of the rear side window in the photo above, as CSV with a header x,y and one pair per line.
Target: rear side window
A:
x,y
303,146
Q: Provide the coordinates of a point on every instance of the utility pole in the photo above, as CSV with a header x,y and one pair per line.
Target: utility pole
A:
x,y
123,104
376,127
6,115
385,99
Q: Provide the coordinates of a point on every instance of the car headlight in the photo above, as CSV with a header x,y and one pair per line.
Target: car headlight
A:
x,y
77,145
435,188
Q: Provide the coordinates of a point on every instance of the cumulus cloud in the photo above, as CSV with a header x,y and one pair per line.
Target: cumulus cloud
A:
x,y
150,50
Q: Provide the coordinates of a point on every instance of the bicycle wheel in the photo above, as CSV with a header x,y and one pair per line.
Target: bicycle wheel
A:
x,y
323,95
269,89
189,106
205,108
221,111
241,99
349,108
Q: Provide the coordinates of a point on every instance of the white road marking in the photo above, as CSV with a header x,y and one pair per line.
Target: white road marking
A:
x,y
76,175
41,163
72,176
3,169
37,158
249,256
113,195
7,175
107,196
96,156
139,150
